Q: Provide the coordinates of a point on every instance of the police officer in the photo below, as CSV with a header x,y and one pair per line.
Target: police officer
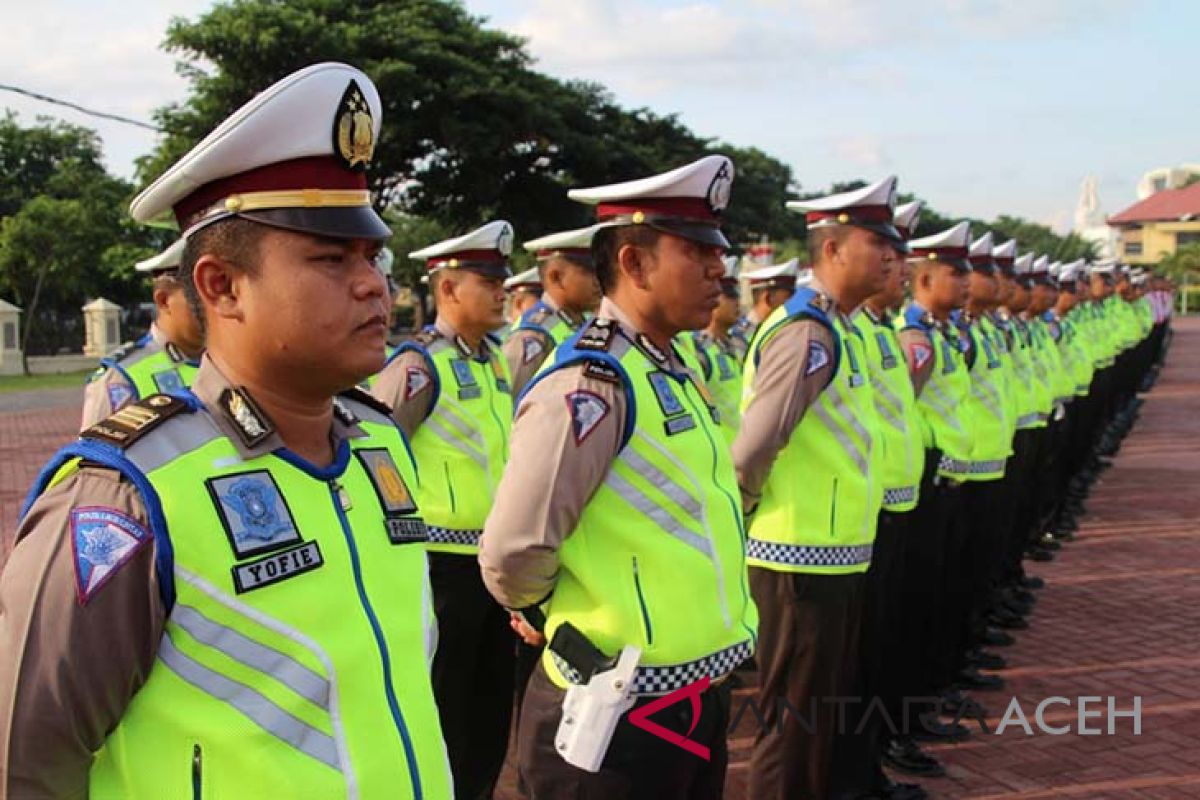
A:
x,y
224,594
164,360
451,393
769,287
876,728
634,536
570,294
717,351
524,290
808,460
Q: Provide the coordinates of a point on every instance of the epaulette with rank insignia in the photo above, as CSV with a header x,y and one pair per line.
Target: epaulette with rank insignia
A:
x,y
135,420
598,335
369,400
427,337
601,372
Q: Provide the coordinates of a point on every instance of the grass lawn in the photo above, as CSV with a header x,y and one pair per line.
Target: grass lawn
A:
x,y
22,383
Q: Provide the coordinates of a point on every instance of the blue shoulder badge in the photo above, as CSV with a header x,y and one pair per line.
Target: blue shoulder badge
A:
x,y
103,540
168,380
254,513
588,410
818,357
119,395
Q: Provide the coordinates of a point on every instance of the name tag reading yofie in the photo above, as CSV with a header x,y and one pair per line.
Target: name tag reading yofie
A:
x,y
277,567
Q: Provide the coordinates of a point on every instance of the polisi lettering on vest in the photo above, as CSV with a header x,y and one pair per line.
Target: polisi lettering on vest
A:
x,y
277,567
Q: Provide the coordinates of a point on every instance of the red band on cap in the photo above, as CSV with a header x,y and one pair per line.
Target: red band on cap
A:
x,y
316,172
1004,261
855,213
686,207
464,256
981,260
778,280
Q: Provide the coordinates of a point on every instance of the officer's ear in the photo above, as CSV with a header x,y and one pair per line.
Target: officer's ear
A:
x,y
219,284
633,261
161,294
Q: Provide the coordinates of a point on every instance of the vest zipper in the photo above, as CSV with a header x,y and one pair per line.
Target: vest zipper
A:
x,y
637,585
197,767
380,642
449,486
833,511
716,557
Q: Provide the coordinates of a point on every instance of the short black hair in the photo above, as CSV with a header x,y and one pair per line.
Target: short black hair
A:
x,y
607,243
234,239
818,236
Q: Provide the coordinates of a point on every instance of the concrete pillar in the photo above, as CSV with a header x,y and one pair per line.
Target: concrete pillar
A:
x,y
102,327
10,339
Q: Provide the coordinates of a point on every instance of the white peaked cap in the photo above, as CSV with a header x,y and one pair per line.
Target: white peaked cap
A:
x,y
1023,264
577,239
871,207
1041,264
788,269
958,236
982,246
731,267
529,277
686,202
907,216
328,114
1006,250
483,250
165,261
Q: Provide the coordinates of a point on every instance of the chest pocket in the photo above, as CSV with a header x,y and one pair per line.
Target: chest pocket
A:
x,y
888,356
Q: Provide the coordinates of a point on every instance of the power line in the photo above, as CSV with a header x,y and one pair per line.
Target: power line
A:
x,y
76,107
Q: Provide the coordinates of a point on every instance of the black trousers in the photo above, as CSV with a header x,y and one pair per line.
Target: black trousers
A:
x,y
858,748
472,674
638,766
807,656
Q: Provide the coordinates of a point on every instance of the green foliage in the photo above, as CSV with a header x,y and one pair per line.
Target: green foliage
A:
x,y
1184,261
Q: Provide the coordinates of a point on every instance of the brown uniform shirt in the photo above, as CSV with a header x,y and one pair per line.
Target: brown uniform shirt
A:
x,y
68,667
552,474
406,384
99,393
526,349
784,388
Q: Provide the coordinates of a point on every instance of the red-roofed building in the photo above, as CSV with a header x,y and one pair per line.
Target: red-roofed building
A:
x,y
1154,228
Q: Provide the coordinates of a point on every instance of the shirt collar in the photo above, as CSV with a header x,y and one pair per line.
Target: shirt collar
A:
x,y
671,360
447,331
240,419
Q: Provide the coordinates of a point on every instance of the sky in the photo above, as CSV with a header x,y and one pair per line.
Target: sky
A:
x,y
982,107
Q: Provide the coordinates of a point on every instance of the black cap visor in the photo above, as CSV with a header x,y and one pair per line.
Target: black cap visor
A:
x,y
358,222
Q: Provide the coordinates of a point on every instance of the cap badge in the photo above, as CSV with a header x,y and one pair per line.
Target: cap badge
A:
x,y
720,189
843,219
353,129
638,218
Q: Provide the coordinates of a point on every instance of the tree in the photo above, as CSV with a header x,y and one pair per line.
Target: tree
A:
x,y
1184,262
64,233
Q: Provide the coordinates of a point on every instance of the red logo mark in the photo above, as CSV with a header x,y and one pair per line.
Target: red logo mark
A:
x,y
640,717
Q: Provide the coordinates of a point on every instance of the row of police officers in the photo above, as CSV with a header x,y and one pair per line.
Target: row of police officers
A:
x,y
251,578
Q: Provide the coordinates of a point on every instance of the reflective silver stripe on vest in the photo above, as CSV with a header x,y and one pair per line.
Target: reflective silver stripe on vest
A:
x,y
942,406
473,447
176,437
807,555
889,407
453,535
264,713
285,669
895,497
663,482
660,680
851,448
1027,420
638,499
985,467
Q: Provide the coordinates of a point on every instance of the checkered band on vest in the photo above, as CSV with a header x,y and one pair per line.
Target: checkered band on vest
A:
x,y
805,555
953,465
985,467
1025,420
652,681
905,494
451,536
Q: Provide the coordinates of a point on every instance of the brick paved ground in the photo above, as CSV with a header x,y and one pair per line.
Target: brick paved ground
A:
x,y
1120,615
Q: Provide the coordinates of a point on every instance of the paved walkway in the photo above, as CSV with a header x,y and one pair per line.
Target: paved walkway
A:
x,y
1119,617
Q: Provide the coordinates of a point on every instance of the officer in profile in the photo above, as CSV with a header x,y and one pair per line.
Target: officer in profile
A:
x,y
224,593
524,290
634,536
450,391
570,294
718,354
769,287
808,458
164,360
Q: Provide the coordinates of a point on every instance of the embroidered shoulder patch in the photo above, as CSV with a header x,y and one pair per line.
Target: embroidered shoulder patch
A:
x,y
416,380
531,348
588,410
254,513
103,540
168,380
919,354
119,395
818,357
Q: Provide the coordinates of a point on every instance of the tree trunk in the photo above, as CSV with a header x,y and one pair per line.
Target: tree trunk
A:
x,y
30,311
